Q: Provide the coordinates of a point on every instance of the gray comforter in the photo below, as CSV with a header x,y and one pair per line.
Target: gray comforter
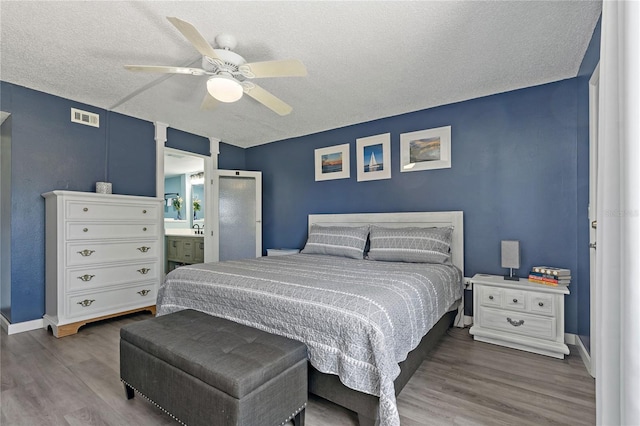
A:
x,y
359,318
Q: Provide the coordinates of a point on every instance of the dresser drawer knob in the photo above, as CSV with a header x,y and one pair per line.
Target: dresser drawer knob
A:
x,y
540,304
86,277
144,249
490,297
144,292
86,302
86,209
515,323
85,229
515,300
144,271
144,212
144,229
86,252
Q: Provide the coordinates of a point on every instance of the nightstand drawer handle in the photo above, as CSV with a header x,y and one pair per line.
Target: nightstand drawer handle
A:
x,y
85,209
540,304
515,323
85,229
144,249
144,211
490,297
144,271
144,229
86,302
515,300
144,292
86,252
86,277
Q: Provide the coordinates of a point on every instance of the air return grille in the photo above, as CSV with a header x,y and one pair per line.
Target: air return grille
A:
x,y
85,117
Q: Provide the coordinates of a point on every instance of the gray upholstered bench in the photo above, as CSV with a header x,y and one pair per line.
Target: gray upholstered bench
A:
x,y
205,370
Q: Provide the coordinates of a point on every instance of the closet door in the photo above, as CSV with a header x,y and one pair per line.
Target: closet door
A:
x,y
239,214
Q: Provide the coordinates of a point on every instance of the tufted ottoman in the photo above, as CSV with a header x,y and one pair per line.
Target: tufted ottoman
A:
x,y
205,370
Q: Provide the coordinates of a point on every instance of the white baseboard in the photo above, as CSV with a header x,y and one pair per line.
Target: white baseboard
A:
x,y
586,357
570,339
20,327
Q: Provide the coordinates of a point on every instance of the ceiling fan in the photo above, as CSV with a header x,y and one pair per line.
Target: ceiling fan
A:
x,y
228,72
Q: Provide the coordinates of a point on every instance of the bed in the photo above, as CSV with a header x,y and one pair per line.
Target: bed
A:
x,y
367,323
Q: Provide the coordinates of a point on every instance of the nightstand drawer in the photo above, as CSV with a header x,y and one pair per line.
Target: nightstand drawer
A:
x,y
518,323
490,296
514,299
542,304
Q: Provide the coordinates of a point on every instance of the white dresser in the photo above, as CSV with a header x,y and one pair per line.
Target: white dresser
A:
x,y
519,314
104,257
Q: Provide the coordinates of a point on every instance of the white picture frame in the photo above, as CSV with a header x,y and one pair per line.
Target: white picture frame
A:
x,y
332,162
425,150
373,157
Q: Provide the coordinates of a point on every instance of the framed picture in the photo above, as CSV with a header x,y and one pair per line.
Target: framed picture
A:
x,y
425,150
332,162
373,155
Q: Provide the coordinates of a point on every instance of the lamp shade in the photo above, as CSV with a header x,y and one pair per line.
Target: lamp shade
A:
x,y
224,88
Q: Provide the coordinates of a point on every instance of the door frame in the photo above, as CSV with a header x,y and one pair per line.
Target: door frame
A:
x,y
216,198
594,108
210,165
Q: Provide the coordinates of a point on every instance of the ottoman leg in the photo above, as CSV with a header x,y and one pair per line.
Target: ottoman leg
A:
x,y
298,420
129,390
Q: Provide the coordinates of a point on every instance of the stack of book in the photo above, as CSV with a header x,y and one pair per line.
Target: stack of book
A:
x,y
550,276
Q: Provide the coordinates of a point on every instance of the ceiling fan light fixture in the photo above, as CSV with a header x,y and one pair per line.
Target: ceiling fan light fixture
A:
x,y
224,88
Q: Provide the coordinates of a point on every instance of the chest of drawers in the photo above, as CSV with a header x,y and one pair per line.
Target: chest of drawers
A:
x,y
519,314
104,257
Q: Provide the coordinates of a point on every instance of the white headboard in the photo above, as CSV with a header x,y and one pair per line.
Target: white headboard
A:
x,y
400,220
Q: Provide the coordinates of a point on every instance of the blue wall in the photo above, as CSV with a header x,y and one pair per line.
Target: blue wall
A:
x,y
49,152
514,174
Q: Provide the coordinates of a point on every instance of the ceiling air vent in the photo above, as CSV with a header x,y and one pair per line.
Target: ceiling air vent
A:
x,y
85,117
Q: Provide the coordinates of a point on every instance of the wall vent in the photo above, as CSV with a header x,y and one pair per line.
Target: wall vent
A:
x,y
85,117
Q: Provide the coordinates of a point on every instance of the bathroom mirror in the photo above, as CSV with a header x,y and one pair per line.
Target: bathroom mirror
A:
x,y
183,192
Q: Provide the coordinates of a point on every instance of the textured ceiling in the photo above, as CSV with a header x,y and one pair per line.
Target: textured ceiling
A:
x,y
366,60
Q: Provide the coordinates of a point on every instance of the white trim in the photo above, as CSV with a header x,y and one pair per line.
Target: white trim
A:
x,y
161,140
586,357
20,327
3,116
570,338
594,88
211,205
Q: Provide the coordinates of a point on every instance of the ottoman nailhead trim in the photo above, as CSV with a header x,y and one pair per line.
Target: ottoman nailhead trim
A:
x,y
294,414
184,424
154,403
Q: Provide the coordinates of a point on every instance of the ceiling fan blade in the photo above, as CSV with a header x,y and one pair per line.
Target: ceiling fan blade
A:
x,y
208,102
284,68
166,70
267,99
191,33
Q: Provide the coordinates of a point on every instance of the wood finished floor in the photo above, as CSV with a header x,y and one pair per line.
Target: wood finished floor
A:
x,y
75,381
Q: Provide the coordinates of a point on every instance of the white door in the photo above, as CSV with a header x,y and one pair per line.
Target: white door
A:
x,y
594,88
239,196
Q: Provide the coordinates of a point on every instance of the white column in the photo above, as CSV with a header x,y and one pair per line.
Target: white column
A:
x,y
161,140
211,203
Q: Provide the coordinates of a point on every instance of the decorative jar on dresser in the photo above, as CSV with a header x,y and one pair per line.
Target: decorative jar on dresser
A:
x,y
519,314
104,257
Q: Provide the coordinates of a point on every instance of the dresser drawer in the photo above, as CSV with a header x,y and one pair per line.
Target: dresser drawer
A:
x,y
89,277
92,231
101,302
87,253
518,323
96,210
541,304
490,296
514,299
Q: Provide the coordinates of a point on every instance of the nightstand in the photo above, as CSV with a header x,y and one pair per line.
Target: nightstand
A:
x,y
519,314
282,251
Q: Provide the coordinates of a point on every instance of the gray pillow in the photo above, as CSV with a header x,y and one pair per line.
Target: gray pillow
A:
x,y
345,241
418,245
